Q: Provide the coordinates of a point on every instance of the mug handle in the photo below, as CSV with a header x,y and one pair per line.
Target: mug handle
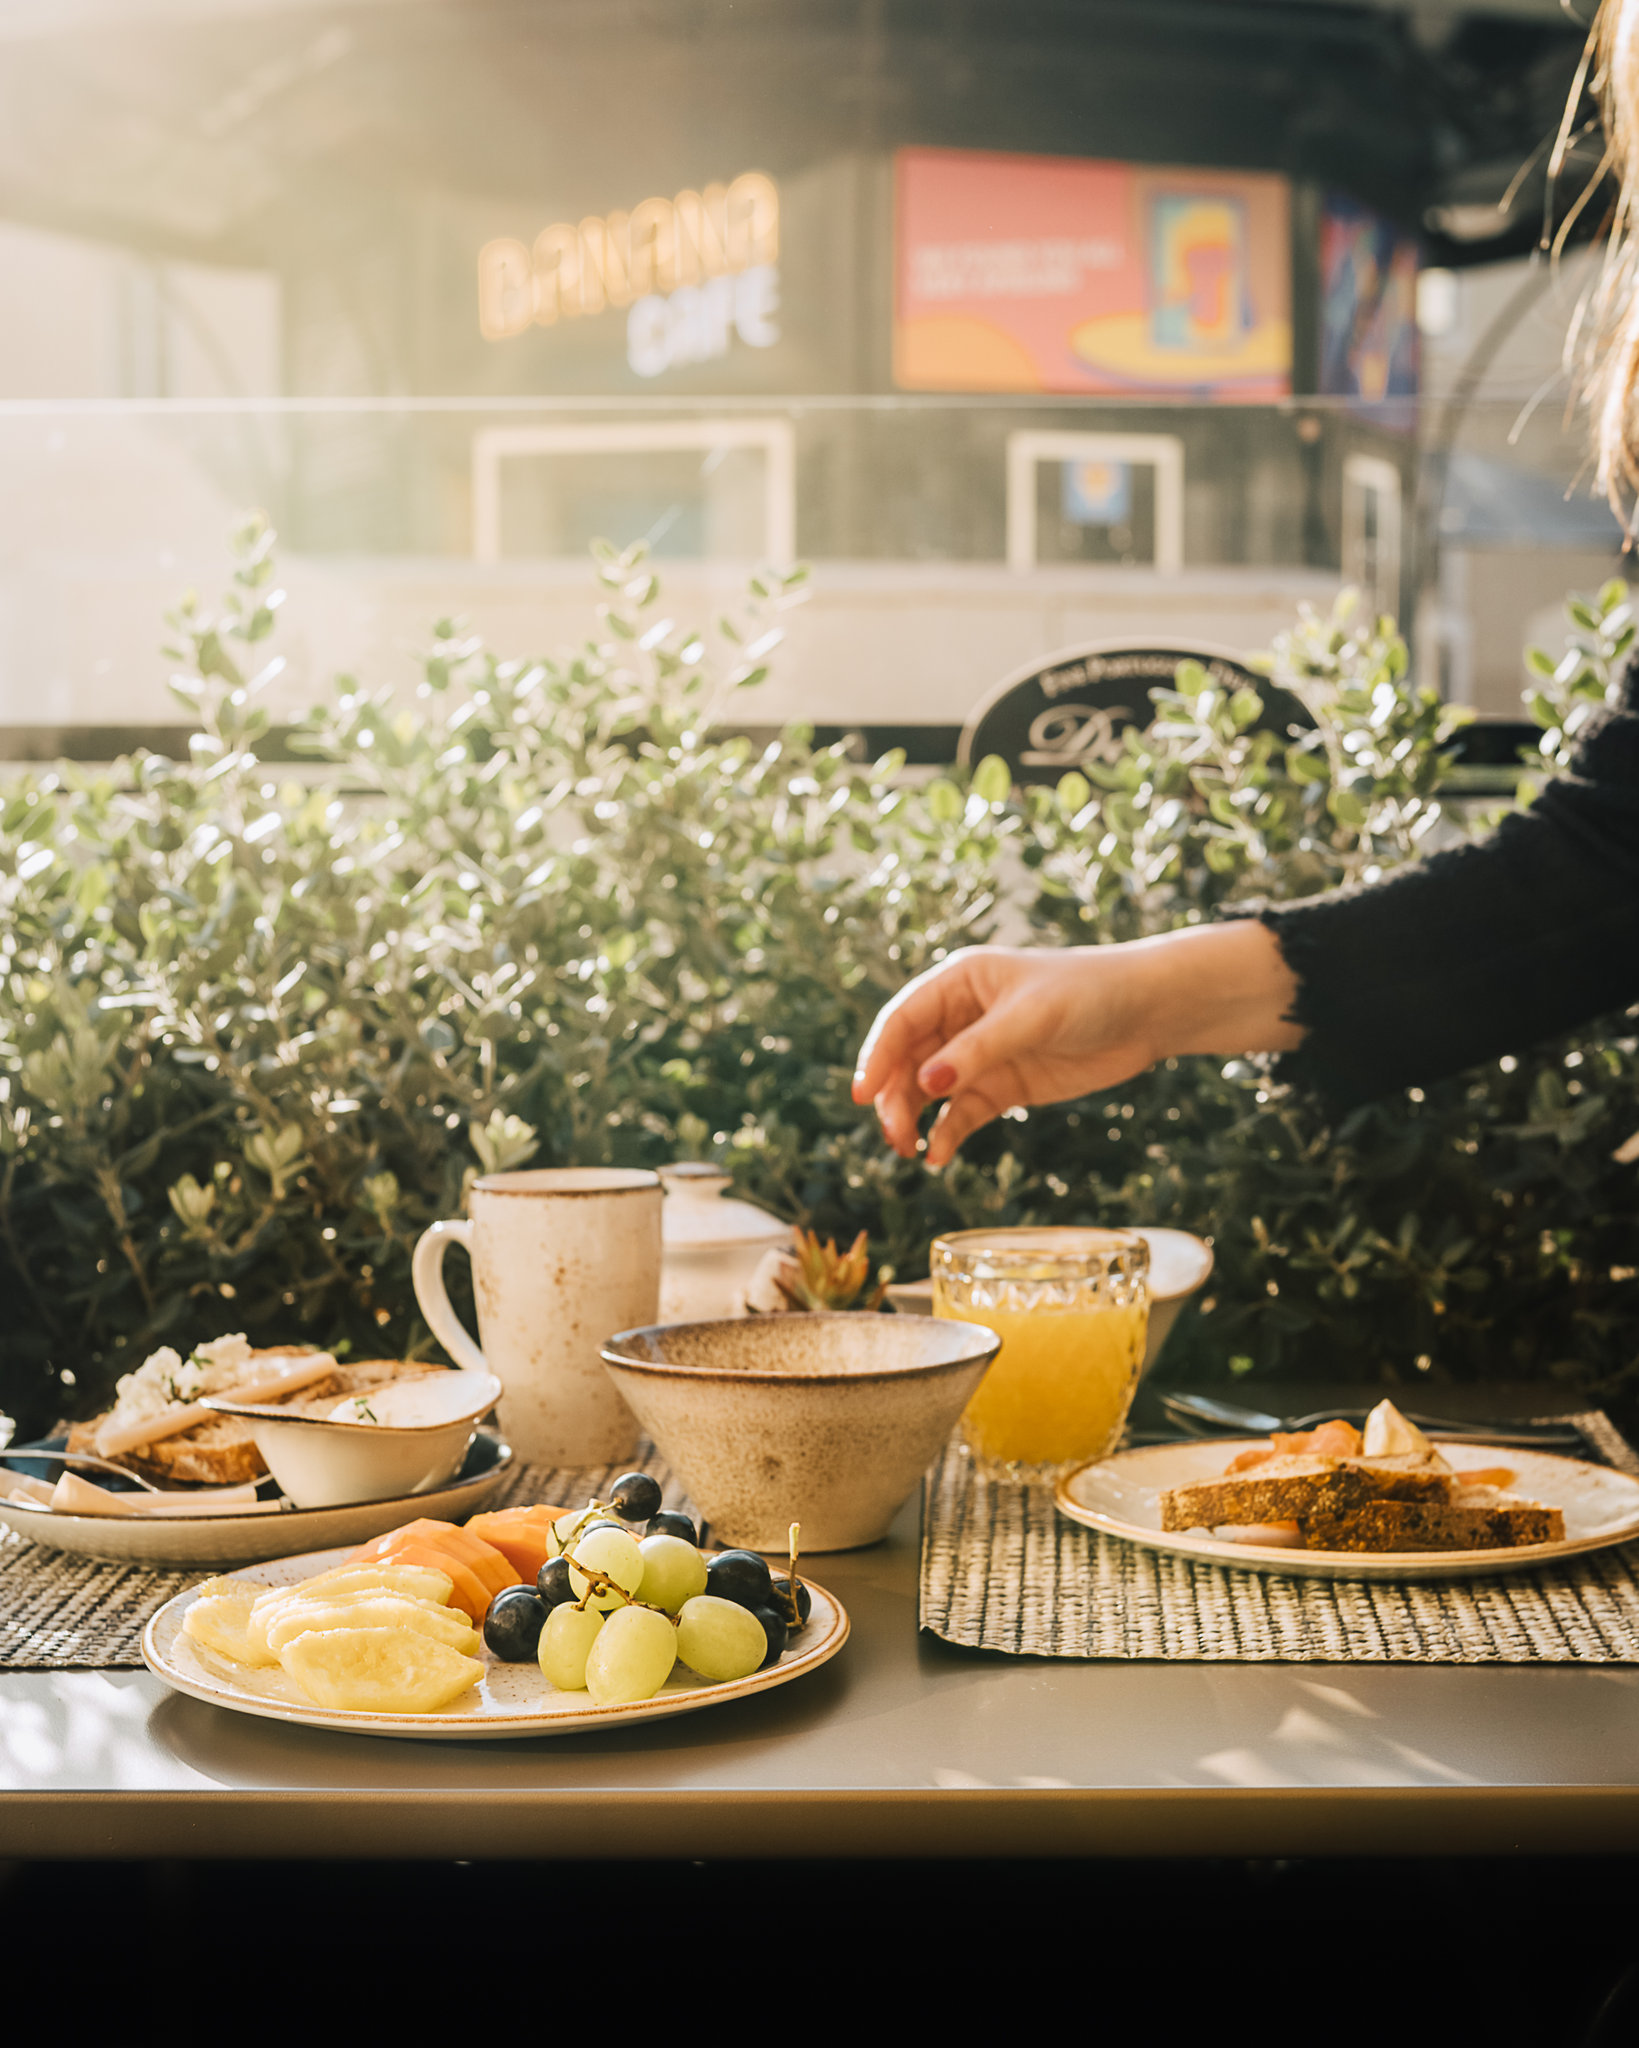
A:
x,y
427,1277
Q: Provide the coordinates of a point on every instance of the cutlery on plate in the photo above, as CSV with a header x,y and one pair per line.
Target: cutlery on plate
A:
x,y
26,1451
1192,1410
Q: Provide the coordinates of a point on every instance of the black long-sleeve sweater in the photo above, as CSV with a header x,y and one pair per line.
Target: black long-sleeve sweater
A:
x,y
1484,949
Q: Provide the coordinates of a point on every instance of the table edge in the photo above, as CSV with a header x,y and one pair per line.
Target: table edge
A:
x,y
550,1824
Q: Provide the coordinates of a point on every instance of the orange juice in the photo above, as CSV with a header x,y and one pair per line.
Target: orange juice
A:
x,y
1061,1385
1071,1306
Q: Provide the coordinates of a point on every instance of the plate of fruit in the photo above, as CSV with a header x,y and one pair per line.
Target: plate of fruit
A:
x,y
528,1621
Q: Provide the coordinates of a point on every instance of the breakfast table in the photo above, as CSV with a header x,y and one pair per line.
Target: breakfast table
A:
x,y
902,1746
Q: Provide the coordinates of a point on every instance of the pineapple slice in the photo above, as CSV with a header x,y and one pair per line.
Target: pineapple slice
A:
x,y
221,1622
418,1580
378,1670
410,1581
370,1610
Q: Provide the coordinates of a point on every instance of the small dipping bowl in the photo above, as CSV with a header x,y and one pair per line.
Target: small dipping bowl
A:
x,y
826,1420
320,1462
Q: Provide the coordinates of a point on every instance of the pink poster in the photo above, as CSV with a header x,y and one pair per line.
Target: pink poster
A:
x,y
1027,273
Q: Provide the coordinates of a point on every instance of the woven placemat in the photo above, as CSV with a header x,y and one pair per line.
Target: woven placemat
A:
x,y
1003,1570
63,1613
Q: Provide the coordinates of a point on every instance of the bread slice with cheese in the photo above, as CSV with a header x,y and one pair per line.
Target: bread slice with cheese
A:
x,y
1385,1489
1291,1489
219,1450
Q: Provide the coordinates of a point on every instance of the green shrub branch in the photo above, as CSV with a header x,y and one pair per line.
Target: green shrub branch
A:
x,y
257,1029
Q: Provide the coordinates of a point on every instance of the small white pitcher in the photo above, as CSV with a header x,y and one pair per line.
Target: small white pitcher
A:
x,y
561,1257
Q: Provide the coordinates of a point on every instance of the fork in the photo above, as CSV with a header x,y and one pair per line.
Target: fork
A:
x,y
1191,1410
83,1458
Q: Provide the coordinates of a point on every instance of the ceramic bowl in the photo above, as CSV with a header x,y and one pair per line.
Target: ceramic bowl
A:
x,y
826,1420
1180,1265
321,1463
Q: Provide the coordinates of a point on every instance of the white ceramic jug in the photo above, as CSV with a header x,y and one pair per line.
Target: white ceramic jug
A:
x,y
712,1247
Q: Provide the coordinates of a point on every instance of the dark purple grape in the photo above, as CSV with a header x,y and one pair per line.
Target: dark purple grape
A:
x,y
775,1629
740,1576
781,1602
670,1523
635,1497
552,1582
512,1627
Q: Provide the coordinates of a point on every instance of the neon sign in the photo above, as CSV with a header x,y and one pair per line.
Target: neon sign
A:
x,y
689,272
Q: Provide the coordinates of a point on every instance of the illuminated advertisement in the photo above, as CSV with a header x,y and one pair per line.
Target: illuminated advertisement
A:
x,y
1368,315
692,274
1025,273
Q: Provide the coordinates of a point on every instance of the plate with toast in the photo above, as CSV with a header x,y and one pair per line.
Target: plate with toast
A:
x,y
174,1472
1340,1503
234,1537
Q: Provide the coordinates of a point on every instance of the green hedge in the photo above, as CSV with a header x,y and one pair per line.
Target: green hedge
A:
x,y
256,1031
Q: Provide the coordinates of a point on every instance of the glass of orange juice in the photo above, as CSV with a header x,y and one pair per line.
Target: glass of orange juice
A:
x,y
1072,1309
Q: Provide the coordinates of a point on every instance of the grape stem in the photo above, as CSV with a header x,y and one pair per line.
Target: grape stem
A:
x,y
598,1583
794,1582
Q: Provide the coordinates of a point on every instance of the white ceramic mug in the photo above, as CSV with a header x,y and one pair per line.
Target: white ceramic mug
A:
x,y
560,1258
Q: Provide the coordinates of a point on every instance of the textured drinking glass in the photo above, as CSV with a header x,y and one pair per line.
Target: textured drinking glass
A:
x,y
1071,1308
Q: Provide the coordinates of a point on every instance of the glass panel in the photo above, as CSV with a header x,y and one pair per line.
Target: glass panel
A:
x,y
392,515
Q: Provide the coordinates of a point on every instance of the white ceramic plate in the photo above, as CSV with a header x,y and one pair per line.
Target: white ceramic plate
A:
x,y
226,1540
510,1699
1121,1496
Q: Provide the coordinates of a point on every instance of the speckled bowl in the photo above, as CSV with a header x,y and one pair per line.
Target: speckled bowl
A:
x,y
826,1420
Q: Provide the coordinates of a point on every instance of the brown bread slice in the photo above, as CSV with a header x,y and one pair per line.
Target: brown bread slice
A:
x,y
220,1452
1477,1518
1292,1489
214,1453
217,1452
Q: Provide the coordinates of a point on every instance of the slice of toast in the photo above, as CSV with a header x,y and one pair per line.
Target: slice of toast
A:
x,y
219,1452
1475,1518
1292,1489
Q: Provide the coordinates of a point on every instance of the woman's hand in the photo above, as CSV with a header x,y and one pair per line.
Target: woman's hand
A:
x,y
997,1028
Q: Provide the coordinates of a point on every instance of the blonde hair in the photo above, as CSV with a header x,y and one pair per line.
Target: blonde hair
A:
x,y
1605,337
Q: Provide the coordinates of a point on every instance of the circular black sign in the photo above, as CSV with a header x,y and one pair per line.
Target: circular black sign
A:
x,y
1061,714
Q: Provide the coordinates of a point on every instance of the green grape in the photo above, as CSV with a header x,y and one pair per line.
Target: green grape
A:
x,y
719,1639
673,1571
632,1657
611,1551
566,1642
566,1528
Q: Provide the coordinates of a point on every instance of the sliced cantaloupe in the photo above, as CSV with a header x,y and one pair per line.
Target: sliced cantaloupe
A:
x,y
479,1557
520,1535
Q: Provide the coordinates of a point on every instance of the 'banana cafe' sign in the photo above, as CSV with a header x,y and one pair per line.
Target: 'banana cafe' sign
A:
x,y
690,273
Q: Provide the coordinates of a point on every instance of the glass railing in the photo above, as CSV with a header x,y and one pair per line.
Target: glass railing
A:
x,y
952,541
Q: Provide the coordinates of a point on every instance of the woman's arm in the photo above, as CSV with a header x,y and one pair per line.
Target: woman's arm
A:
x,y
1451,960
997,1027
